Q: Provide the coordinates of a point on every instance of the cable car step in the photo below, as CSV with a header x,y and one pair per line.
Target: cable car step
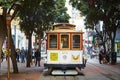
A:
x,y
64,72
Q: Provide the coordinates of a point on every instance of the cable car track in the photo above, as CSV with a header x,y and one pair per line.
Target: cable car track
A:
x,y
93,71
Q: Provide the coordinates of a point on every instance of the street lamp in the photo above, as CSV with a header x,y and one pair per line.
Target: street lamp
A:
x,y
8,22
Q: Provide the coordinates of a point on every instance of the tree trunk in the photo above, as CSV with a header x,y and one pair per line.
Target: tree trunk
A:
x,y
2,36
12,54
29,53
13,57
113,34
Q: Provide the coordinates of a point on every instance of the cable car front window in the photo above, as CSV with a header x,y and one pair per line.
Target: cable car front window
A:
x,y
64,41
76,41
53,41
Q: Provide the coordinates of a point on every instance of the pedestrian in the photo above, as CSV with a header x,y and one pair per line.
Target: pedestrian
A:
x,y
5,53
95,51
90,51
108,56
17,54
85,55
2,56
37,57
33,55
102,55
22,54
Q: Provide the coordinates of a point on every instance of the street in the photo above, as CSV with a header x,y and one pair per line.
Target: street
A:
x,y
93,71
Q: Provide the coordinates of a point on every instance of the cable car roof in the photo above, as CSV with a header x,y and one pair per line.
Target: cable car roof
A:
x,y
64,27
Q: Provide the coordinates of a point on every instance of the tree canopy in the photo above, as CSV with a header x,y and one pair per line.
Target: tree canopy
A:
x,y
42,14
107,11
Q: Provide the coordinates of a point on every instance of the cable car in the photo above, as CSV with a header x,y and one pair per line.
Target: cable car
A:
x,y
64,47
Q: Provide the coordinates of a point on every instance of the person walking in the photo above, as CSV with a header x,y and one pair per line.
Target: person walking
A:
x,y
37,57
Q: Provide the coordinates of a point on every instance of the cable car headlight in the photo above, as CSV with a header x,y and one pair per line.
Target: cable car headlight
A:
x,y
64,57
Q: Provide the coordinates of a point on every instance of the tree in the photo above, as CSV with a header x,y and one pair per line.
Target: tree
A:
x,y
39,16
61,15
7,6
27,14
101,10
32,17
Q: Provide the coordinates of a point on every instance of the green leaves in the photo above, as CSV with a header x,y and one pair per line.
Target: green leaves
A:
x,y
96,10
60,12
41,14
6,3
107,11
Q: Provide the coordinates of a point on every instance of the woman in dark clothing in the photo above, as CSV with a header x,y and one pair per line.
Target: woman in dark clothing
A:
x,y
22,54
102,56
2,56
37,57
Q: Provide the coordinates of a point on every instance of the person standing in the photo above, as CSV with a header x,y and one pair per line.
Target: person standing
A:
x,y
17,54
37,57
85,55
22,55
33,55
2,55
102,55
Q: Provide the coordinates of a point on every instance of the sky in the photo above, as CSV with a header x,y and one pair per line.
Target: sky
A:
x,y
76,18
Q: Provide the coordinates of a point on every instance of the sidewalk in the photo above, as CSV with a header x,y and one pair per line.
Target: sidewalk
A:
x,y
112,67
32,73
